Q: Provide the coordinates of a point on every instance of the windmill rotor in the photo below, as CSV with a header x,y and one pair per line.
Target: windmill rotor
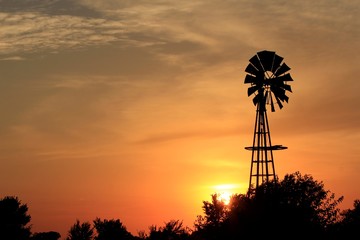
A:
x,y
268,76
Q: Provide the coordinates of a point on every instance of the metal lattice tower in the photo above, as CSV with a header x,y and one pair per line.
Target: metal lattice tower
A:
x,y
267,76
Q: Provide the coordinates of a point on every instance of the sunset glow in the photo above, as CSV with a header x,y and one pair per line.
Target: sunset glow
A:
x,y
225,197
137,110
225,191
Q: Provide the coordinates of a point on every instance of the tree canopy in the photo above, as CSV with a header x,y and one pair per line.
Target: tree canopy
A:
x,y
296,207
14,219
82,231
110,229
46,236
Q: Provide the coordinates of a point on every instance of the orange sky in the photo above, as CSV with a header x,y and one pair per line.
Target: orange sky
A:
x,y
138,110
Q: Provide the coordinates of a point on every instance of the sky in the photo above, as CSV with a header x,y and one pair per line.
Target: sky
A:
x,y
138,111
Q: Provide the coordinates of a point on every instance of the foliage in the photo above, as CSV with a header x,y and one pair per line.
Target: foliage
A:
x,y
14,219
210,225
349,225
308,194
46,236
215,212
298,206
173,230
79,231
110,229
351,218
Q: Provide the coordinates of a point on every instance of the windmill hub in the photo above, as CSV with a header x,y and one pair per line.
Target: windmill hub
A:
x,y
268,74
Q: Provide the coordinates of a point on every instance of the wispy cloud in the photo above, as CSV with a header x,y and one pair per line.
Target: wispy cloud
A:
x,y
217,29
203,133
225,30
24,32
12,58
207,36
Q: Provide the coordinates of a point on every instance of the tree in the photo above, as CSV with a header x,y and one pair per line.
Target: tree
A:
x,y
349,225
215,213
110,229
46,236
14,219
79,231
296,207
173,230
351,220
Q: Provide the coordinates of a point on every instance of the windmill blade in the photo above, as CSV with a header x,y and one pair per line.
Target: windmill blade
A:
x,y
266,59
287,87
272,103
251,69
282,96
279,93
252,89
279,102
277,62
250,79
255,61
286,98
283,78
256,99
277,82
282,69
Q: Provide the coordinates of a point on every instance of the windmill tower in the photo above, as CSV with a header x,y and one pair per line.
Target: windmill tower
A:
x,y
268,77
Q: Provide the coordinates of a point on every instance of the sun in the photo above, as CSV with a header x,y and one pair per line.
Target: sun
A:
x,y
225,192
225,197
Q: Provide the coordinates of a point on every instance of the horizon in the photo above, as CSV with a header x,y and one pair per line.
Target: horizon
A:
x,y
139,111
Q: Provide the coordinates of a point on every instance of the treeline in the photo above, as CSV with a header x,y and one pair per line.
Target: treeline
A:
x,y
296,207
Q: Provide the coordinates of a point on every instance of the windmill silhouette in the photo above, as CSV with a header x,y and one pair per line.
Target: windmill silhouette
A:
x,y
268,78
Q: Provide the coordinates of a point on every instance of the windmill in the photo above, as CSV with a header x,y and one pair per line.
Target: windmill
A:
x,y
268,77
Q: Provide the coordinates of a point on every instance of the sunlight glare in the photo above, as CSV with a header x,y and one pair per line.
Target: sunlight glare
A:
x,y
225,197
225,191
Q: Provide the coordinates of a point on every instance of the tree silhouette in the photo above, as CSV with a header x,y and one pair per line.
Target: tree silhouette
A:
x,y
210,225
173,230
46,236
14,219
79,231
349,225
296,207
351,220
110,229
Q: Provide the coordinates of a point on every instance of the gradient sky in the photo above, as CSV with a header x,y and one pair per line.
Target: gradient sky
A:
x,y
138,110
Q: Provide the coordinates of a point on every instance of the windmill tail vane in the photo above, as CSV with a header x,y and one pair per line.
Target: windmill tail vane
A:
x,y
267,75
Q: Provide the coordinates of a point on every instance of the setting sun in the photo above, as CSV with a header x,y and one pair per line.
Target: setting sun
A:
x,y
225,197
225,191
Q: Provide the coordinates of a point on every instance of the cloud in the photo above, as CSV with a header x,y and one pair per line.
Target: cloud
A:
x,y
203,133
13,58
199,40
218,30
35,26
33,32
49,7
229,30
